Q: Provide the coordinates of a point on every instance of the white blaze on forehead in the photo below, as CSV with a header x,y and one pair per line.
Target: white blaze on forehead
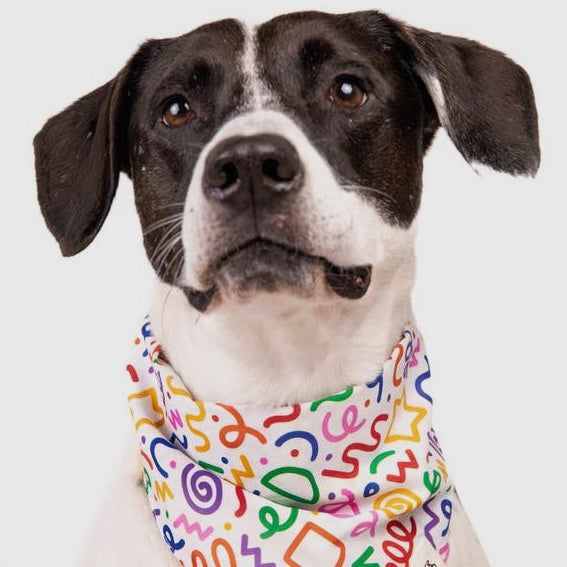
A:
x,y
258,93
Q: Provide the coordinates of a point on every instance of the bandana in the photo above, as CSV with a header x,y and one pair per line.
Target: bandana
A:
x,y
354,479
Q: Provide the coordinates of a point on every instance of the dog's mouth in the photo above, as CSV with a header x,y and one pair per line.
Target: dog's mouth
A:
x,y
265,265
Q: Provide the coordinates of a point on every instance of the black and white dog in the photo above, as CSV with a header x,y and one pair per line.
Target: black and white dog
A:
x,y
277,173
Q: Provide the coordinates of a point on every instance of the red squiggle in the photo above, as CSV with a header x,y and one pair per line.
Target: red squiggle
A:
x,y
133,374
365,447
402,466
294,414
241,501
400,548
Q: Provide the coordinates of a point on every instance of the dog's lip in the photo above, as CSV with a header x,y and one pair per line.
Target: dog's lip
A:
x,y
347,282
265,242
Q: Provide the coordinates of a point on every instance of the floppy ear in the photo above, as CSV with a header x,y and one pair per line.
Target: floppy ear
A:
x,y
78,157
483,99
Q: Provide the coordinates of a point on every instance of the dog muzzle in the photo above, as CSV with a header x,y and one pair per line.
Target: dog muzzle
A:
x,y
356,478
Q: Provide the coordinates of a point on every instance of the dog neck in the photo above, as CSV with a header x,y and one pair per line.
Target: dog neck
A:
x,y
279,349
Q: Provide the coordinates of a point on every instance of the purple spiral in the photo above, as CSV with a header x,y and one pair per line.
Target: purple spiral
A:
x,y
203,490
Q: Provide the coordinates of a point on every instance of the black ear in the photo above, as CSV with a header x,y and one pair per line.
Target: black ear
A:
x,y
78,161
483,99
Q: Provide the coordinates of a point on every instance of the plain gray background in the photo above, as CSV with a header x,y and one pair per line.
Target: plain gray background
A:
x,y
489,295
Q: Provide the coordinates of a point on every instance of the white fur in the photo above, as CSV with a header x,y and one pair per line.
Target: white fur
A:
x,y
282,349
126,533
436,93
258,94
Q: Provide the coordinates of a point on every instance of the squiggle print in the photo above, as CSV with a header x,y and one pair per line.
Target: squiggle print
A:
x,y
351,480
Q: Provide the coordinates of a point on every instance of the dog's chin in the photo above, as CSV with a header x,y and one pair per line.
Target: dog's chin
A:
x,y
264,267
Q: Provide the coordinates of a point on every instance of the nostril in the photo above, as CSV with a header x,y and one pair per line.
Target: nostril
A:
x,y
278,171
221,179
228,175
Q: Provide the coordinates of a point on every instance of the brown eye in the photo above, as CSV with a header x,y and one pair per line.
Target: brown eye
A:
x,y
176,112
346,92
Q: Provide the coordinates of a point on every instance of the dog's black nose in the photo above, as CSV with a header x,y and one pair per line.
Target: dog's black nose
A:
x,y
242,168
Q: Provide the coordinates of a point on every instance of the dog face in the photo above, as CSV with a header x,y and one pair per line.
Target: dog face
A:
x,y
287,157
295,189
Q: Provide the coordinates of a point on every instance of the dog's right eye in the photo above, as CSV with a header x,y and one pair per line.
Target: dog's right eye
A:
x,y
176,112
347,92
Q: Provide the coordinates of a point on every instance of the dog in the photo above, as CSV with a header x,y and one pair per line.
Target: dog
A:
x,y
277,172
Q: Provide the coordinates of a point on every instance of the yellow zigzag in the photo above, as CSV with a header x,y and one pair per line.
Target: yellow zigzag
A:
x,y
240,474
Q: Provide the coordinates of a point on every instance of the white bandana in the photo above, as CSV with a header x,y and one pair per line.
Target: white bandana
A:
x,y
355,479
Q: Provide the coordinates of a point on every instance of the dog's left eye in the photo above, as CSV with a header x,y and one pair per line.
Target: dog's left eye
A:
x,y
176,112
348,93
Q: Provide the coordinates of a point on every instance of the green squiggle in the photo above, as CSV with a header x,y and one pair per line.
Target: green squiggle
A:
x,y
308,475
361,561
378,459
432,484
270,519
341,396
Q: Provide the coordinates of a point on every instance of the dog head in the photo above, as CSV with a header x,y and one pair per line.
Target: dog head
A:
x,y
285,157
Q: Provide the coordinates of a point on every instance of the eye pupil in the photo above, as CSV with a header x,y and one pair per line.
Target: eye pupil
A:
x,y
347,93
177,112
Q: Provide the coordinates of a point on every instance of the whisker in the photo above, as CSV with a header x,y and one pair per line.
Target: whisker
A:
x,y
194,145
170,236
375,190
167,205
161,259
177,217
165,241
179,258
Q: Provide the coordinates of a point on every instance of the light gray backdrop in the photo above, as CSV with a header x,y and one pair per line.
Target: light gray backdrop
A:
x,y
489,296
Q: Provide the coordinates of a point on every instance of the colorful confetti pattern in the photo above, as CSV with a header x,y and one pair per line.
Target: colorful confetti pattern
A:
x,y
355,479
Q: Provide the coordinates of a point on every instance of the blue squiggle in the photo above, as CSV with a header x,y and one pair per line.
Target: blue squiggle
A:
x,y
422,378
301,435
159,441
447,509
378,381
183,442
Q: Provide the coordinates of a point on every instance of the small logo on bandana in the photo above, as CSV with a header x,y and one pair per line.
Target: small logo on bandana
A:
x,y
425,556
